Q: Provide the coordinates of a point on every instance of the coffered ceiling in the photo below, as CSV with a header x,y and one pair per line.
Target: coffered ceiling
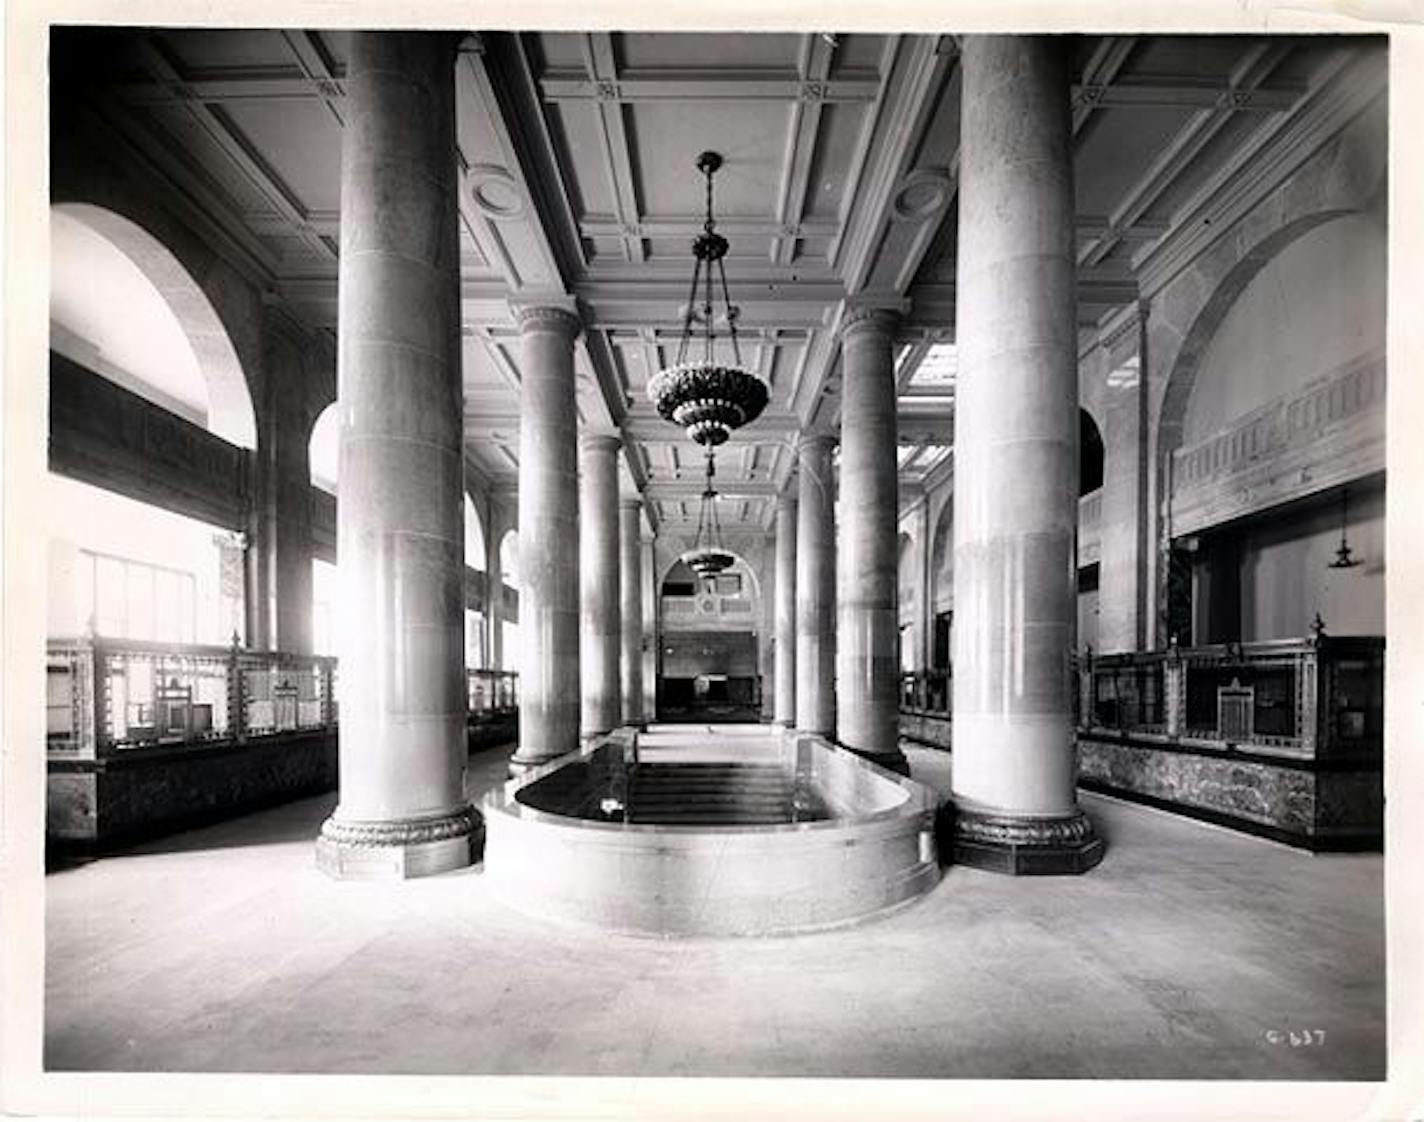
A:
x,y
577,155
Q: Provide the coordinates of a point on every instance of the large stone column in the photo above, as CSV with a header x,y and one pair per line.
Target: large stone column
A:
x,y
1016,470
599,592
402,810
630,596
785,667
548,539
816,587
868,604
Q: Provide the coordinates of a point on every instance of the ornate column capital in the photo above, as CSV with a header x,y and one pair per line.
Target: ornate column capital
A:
x,y
878,316
558,315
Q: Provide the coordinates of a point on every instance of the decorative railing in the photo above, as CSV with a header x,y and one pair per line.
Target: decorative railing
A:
x,y
1326,433
1314,698
109,696
492,693
926,693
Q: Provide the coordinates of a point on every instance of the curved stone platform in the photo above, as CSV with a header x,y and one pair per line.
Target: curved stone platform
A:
x,y
565,842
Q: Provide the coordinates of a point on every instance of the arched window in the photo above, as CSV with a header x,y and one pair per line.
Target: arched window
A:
x,y
123,306
323,450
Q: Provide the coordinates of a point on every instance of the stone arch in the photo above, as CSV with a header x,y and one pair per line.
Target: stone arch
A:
x,y
1182,378
230,409
740,557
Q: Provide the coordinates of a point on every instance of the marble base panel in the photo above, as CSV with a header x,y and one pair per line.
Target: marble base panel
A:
x,y
144,792
1299,802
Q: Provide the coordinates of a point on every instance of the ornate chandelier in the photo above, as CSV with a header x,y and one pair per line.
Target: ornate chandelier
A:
x,y
708,398
707,558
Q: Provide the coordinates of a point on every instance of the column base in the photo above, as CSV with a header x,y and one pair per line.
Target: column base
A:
x,y
402,848
895,760
1021,846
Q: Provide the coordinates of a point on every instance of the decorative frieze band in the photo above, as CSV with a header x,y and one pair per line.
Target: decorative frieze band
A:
x,y
1287,448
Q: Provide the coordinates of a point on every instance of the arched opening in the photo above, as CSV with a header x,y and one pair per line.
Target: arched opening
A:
x,y
130,566
708,667
908,590
123,306
509,577
476,654
1090,454
942,587
1303,309
474,537
324,450
324,463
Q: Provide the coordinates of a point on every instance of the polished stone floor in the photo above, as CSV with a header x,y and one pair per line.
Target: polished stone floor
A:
x,y
1187,954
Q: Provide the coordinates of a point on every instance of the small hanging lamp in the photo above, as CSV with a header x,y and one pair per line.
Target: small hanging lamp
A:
x,y
707,558
1343,560
706,397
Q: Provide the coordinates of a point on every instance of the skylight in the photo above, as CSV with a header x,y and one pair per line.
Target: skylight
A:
x,y
938,369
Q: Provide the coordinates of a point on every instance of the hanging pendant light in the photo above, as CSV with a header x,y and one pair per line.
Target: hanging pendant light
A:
x,y
707,397
707,558
1343,560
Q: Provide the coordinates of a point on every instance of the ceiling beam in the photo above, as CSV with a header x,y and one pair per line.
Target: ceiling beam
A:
x,y
804,128
320,70
704,86
1188,93
1254,68
230,87
1102,68
224,132
613,135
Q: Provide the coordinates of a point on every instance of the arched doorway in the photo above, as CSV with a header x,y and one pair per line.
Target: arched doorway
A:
x,y
708,666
